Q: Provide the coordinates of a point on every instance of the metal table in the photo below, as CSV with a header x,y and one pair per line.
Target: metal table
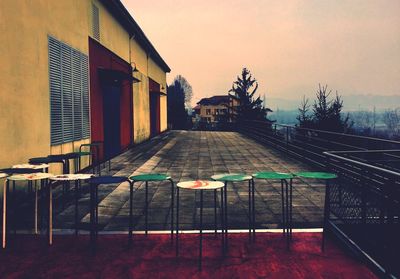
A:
x,y
200,185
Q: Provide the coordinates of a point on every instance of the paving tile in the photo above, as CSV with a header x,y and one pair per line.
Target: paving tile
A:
x,y
189,155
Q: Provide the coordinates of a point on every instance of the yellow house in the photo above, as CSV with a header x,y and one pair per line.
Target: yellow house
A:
x,y
214,110
73,72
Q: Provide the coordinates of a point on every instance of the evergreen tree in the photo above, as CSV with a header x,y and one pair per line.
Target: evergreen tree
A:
x,y
304,116
249,107
327,114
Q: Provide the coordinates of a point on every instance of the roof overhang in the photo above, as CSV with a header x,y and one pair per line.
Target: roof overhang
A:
x,y
118,10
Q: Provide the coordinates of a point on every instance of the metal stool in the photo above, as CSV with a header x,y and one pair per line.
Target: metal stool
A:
x,y
20,175
327,176
151,177
94,152
234,177
286,199
63,178
75,156
60,158
99,143
199,185
94,183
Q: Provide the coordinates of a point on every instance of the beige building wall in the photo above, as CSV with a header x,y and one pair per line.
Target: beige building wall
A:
x,y
158,75
141,108
112,35
24,76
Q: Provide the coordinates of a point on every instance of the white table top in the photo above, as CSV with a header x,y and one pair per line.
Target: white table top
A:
x,y
30,176
2,175
30,166
201,185
71,177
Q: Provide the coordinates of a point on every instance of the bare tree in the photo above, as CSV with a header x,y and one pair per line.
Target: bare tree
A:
x,y
391,118
187,89
178,99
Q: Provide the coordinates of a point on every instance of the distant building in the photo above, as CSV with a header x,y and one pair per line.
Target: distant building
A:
x,y
211,112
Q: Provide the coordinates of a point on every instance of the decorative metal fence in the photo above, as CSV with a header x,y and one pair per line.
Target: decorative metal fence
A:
x,y
365,200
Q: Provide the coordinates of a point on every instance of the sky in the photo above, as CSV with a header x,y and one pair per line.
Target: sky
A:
x,y
290,46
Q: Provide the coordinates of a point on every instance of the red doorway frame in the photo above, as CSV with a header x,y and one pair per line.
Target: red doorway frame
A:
x,y
101,58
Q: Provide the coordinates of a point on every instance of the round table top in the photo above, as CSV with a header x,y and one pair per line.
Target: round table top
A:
x,y
316,175
2,175
231,177
150,177
200,185
272,175
30,166
30,176
71,177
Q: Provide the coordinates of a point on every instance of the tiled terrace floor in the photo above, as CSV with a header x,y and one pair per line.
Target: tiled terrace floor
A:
x,y
188,155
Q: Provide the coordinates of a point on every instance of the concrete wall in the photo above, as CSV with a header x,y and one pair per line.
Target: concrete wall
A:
x,y
24,75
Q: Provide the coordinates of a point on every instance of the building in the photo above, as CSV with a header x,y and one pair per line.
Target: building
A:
x,y
73,72
211,112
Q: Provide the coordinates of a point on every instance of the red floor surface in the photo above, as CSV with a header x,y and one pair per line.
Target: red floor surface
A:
x,y
154,257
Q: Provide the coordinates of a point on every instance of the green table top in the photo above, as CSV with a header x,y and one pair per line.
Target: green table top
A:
x,y
272,175
231,177
316,175
83,153
150,177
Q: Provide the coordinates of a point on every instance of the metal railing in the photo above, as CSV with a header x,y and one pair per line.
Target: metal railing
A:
x,y
310,144
365,200
365,204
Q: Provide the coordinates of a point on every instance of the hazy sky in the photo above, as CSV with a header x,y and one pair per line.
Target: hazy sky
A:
x,y
289,45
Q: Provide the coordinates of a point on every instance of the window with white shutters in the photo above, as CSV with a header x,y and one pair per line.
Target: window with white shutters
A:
x,y
69,93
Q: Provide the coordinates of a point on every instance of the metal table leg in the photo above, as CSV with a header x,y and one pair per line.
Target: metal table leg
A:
x,y
130,211
253,209
146,208
97,211
326,214
5,192
290,208
226,215
287,215
283,209
36,208
92,216
215,212
222,212
76,206
50,228
201,230
177,223
172,209
250,212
